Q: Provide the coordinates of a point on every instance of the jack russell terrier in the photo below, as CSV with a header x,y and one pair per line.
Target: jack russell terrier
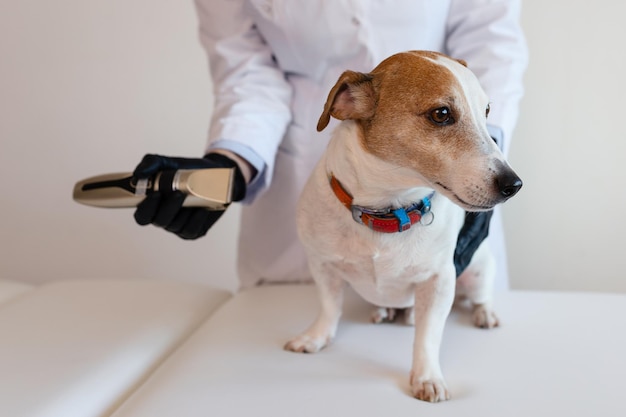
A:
x,y
411,155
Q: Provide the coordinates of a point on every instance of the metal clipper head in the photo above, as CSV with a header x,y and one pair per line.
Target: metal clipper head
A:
x,y
210,188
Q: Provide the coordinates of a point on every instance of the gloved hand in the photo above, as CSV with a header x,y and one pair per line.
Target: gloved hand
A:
x,y
474,231
166,210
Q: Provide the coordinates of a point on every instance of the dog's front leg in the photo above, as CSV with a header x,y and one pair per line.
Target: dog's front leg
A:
x,y
321,332
433,301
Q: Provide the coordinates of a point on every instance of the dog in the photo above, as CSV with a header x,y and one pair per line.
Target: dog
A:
x,y
383,208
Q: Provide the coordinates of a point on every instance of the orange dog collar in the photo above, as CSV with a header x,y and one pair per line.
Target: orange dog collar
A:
x,y
387,220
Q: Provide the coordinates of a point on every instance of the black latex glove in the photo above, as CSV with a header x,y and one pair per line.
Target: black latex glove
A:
x,y
474,231
166,210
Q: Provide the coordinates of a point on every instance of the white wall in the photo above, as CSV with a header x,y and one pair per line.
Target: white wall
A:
x,y
88,87
566,228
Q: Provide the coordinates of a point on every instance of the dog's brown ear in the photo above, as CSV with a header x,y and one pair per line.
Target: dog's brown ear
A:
x,y
352,97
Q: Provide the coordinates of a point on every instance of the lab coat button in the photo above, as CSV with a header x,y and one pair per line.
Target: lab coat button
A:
x,y
356,21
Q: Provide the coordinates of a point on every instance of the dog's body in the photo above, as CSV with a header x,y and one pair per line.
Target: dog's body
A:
x,y
413,126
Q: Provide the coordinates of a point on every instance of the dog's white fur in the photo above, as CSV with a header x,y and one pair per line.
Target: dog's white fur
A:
x,y
389,152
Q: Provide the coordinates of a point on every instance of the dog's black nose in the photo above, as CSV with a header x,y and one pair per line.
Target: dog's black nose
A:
x,y
509,184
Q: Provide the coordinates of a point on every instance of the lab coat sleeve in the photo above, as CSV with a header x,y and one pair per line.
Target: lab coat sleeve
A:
x,y
487,34
251,95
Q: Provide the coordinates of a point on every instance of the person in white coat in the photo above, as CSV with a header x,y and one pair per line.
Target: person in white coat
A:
x,y
272,64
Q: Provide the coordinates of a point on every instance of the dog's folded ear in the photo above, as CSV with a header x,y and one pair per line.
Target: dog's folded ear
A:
x,y
352,97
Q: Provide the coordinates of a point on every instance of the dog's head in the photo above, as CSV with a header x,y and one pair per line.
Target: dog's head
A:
x,y
428,112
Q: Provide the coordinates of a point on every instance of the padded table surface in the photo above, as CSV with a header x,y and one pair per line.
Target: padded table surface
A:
x,y
12,289
555,354
79,348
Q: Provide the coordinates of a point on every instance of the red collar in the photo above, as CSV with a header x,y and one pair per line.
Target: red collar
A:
x,y
388,220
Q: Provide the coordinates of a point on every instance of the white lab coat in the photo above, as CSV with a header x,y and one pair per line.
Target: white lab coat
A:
x,y
273,62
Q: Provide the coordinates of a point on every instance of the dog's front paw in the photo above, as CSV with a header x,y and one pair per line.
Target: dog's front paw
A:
x,y
484,317
431,390
307,344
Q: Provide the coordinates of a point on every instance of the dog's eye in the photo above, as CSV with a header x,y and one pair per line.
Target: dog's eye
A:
x,y
487,110
442,116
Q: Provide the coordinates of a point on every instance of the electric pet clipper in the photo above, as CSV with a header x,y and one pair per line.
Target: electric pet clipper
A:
x,y
211,188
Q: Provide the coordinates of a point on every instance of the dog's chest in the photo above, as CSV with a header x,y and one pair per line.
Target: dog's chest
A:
x,y
385,270
382,267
